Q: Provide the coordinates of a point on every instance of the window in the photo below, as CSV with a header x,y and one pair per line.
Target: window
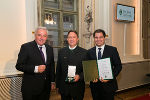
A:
x,y
59,16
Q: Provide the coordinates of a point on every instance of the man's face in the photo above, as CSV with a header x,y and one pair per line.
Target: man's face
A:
x,y
72,39
41,36
99,39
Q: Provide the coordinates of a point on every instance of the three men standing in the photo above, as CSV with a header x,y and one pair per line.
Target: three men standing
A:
x,y
36,60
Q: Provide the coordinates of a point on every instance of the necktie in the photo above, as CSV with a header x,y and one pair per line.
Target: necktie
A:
x,y
42,53
99,53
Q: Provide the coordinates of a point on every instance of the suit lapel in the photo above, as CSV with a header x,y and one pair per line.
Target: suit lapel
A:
x,y
47,52
104,52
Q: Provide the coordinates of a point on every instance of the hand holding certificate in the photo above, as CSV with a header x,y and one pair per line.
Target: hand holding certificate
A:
x,y
104,69
97,69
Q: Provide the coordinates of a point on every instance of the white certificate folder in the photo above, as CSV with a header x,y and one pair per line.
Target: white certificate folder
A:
x,y
93,69
104,68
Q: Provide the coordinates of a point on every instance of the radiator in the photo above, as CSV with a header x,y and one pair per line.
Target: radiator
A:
x,y
10,88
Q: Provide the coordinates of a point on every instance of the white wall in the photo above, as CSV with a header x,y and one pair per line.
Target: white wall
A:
x,y
17,22
128,36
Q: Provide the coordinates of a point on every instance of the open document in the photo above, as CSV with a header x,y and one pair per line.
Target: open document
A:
x,y
93,69
104,68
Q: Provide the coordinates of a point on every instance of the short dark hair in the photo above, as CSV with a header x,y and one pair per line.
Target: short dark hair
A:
x,y
99,31
72,31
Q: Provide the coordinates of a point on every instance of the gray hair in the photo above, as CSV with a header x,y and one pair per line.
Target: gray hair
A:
x,y
40,27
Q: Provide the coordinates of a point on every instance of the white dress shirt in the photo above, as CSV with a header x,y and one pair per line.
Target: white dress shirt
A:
x,y
44,51
102,50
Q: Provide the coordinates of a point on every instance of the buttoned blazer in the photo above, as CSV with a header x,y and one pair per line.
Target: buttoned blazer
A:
x,y
112,53
29,57
67,57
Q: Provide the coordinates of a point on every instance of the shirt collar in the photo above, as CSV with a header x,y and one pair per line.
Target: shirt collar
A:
x,y
43,46
72,48
102,47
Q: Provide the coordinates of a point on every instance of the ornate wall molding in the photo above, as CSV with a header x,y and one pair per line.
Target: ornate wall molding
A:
x,y
102,18
87,23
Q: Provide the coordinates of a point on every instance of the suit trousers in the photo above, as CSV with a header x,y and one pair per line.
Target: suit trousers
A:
x,y
42,96
69,97
98,93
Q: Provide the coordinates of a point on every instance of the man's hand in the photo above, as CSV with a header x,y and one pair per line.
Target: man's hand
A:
x,y
52,86
76,78
96,80
41,68
103,81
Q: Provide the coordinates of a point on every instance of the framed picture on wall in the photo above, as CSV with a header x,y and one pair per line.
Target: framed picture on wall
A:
x,y
125,13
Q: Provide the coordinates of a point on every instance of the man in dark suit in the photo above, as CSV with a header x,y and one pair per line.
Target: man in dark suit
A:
x,y
104,89
71,57
36,60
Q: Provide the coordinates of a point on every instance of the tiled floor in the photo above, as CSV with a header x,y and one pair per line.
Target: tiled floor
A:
x,y
121,95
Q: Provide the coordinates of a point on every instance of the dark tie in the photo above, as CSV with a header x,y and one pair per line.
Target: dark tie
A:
x,y
42,53
99,53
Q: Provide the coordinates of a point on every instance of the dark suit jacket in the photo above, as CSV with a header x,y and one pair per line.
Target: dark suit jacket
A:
x,y
112,53
70,57
29,57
